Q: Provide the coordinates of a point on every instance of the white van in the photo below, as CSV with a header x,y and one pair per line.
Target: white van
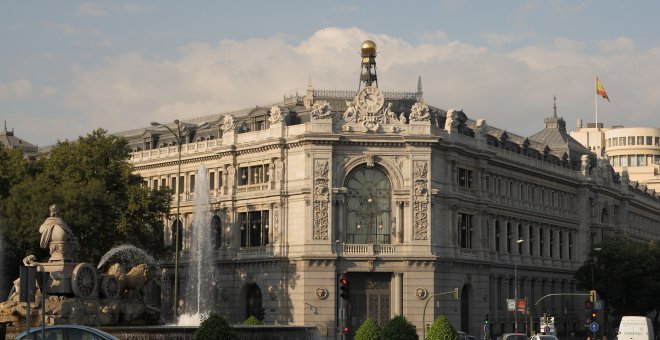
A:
x,y
635,328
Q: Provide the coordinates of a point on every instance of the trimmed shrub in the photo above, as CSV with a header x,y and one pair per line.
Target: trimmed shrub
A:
x,y
369,331
399,328
441,330
252,321
214,327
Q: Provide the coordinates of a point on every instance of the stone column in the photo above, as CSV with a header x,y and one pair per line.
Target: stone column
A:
x,y
399,221
398,295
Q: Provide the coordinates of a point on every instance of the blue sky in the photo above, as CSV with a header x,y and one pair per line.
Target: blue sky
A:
x,y
69,67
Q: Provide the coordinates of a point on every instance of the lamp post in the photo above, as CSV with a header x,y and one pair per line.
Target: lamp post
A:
x,y
180,133
515,285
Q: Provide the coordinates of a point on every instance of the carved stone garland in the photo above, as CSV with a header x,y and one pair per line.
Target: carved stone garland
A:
x,y
420,201
321,199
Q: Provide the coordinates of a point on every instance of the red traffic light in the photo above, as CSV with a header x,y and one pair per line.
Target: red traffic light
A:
x,y
343,280
345,329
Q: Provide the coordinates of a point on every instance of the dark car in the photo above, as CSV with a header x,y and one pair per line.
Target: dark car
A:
x,y
67,332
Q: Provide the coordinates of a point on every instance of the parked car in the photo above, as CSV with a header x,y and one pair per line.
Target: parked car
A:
x,y
67,332
513,336
543,337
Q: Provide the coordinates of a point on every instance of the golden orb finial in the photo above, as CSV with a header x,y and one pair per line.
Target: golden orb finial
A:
x,y
368,48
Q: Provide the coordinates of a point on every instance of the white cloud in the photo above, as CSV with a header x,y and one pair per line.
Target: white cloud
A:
x,y
91,9
502,39
17,89
511,90
133,8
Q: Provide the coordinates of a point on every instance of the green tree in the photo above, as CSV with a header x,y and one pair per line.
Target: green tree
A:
x,y
399,328
214,327
13,169
626,276
369,330
442,330
103,202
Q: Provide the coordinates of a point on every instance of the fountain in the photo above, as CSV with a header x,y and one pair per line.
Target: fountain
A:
x,y
200,280
79,293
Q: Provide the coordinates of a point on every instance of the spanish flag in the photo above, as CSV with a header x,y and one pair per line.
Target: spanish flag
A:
x,y
600,90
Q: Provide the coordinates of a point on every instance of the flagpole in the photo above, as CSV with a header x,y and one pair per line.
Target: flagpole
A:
x,y
596,106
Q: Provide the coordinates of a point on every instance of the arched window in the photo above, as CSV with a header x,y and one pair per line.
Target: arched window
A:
x,y
369,206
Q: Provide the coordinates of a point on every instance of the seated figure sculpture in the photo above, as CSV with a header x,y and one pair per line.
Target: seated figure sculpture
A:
x,y
58,238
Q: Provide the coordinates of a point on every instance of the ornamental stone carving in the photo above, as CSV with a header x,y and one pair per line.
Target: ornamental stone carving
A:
x,y
420,200
350,115
420,112
275,116
279,169
321,111
228,123
321,200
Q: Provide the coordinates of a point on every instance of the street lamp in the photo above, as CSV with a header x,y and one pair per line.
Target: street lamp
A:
x,y
180,133
593,264
515,285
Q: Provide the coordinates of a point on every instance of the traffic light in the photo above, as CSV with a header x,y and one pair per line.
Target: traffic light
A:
x,y
344,330
593,315
486,321
343,287
592,296
262,314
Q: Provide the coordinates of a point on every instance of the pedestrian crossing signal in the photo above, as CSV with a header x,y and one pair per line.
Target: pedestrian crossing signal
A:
x,y
592,296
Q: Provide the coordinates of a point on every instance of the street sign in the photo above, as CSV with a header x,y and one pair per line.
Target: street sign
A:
x,y
486,328
510,305
593,327
547,329
521,305
598,305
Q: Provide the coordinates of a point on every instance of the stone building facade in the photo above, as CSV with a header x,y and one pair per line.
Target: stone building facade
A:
x,y
635,150
407,199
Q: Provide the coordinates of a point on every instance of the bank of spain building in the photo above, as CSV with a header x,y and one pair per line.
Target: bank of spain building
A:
x,y
403,199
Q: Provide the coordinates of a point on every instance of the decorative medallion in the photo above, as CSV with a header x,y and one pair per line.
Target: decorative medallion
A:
x,y
322,293
421,293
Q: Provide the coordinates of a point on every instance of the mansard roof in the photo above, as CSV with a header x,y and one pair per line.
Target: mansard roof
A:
x,y
558,140
9,140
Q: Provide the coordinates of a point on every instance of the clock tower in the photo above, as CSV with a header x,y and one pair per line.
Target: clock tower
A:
x,y
368,70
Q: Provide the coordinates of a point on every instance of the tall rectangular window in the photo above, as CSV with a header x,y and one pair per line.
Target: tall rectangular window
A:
x,y
465,230
552,243
211,180
181,184
541,242
174,184
254,228
163,182
649,140
498,236
464,178
155,184
631,140
508,238
192,183
640,140
255,174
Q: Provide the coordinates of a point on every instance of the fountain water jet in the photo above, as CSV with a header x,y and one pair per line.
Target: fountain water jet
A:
x,y
200,280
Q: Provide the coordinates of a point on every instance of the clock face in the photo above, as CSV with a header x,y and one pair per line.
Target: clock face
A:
x,y
370,99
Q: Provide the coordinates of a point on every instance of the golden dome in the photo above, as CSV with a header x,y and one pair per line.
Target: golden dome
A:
x,y
368,47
